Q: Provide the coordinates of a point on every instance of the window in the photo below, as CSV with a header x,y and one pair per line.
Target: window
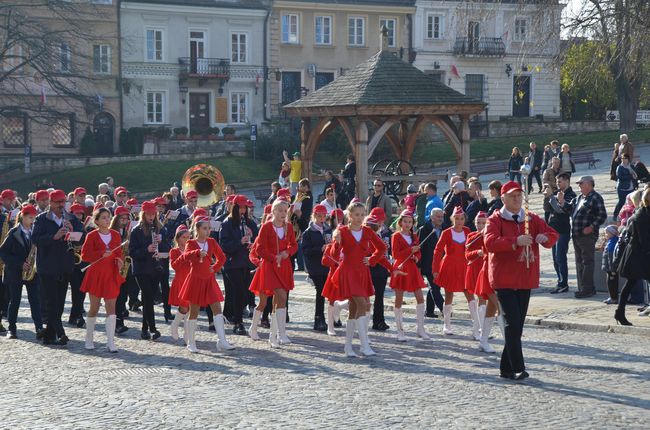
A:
x,y
356,31
323,30
391,25
154,45
290,28
155,103
62,131
13,129
64,57
239,48
102,58
435,27
474,86
238,108
521,30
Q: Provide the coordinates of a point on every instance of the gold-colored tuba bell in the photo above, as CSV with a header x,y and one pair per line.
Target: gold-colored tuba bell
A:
x,y
207,181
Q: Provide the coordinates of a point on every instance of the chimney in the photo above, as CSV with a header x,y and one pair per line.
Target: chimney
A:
x,y
383,38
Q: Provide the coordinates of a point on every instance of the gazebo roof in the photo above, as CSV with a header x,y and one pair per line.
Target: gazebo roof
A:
x,y
384,84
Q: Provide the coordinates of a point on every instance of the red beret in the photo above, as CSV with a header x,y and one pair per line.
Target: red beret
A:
x,y
407,212
201,219
42,195
510,186
481,214
161,201
79,209
8,194
230,198
284,194
28,210
149,207
458,211
199,212
58,195
121,210
120,190
338,213
320,209
181,228
240,200
267,209
378,213
132,202
250,203
191,194
80,190
371,220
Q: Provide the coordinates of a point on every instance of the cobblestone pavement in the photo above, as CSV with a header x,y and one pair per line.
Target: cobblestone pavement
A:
x,y
579,380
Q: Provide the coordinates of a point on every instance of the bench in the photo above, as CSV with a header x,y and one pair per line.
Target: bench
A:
x,y
585,157
490,167
261,195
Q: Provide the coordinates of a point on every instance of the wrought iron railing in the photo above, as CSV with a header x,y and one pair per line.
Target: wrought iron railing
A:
x,y
205,67
482,46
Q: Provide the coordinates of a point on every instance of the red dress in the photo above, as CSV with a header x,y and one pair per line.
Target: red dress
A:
x,y
449,262
267,246
483,287
200,286
473,245
412,281
103,278
352,278
181,268
331,258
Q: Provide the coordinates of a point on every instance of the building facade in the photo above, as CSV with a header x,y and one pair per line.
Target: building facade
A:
x,y
194,63
312,43
501,52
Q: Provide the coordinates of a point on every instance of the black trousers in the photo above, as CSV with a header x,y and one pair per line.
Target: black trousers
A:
x,y
15,297
56,289
379,282
163,282
319,283
4,300
434,297
147,285
78,297
534,174
236,283
514,304
625,293
133,291
120,304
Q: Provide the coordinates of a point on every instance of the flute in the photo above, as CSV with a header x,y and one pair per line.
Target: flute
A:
x,y
83,269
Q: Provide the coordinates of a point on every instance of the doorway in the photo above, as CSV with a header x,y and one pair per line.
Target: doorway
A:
x,y
104,129
521,96
197,52
199,112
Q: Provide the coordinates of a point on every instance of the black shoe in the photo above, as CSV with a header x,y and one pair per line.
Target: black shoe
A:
x,y
121,329
2,328
620,318
507,375
155,335
584,294
287,318
144,335
382,326
211,327
125,314
338,323
81,323
521,376
11,334
431,314
265,324
135,306
251,311
63,340
169,317
320,324
559,290
239,330
49,341
40,334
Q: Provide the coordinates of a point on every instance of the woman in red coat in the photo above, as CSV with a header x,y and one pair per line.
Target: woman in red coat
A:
x,y
274,245
181,268
406,252
200,288
352,279
102,280
448,266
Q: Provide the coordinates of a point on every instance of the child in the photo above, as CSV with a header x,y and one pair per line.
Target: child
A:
x,y
608,264
411,198
181,271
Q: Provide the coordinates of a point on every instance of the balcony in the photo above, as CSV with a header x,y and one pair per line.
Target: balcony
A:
x,y
479,47
204,68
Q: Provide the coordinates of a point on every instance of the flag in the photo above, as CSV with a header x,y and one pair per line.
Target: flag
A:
x,y
43,93
454,71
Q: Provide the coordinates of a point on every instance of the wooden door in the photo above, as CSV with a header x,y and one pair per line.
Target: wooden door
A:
x,y
199,112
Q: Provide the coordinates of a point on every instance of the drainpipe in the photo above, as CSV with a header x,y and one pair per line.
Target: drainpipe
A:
x,y
266,69
409,18
119,65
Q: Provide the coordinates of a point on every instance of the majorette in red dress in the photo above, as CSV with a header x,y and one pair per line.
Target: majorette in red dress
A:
x,y
103,278
200,286
331,258
473,245
449,262
181,268
412,281
267,246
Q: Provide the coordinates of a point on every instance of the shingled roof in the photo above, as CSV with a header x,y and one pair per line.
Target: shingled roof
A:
x,y
383,80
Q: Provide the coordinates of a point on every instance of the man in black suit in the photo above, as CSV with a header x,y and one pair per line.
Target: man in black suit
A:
x,y
434,298
535,157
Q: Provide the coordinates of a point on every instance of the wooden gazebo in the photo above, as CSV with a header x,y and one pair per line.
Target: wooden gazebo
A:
x,y
393,97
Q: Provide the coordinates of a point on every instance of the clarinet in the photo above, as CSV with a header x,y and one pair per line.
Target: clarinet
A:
x,y
154,241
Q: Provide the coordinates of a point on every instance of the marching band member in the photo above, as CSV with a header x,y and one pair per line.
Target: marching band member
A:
x,y
187,210
78,297
381,271
42,201
14,252
449,267
275,244
8,200
121,196
336,218
181,270
54,262
474,253
352,279
164,246
122,223
331,259
143,250
102,280
200,287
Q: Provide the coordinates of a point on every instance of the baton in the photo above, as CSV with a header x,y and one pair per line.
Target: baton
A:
x,y
102,257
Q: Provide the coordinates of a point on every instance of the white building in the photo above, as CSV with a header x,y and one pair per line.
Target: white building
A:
x,y
192,63
502,52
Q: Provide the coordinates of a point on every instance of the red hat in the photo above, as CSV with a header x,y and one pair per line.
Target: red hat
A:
x,y
191,194
355,200
181,228
458,211
481,214
120,190
338,213
201,219
240,200
79,209
57,195
160,201
199,212
250,203
408,213
79,191
511,186
378,213
8,194
149,207
371,220
320,209
121,210
230,198
267,209
42,195
132,202
28,210
98,205
284,194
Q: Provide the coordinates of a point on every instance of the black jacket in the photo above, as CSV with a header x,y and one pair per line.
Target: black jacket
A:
x,y
143,261
230,237
13,253
494,205
53,257
461,199
473,209
634,263
427,248
536,159
378,270
305,211
559,219
312,250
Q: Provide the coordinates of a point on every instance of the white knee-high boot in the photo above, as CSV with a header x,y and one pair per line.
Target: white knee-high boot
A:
x,y
282,326
446,325
338,305
419,311
173,328
476,325
481,314
252,331
362,328
110,323
273,335
485,336
186,316
190,335
222,342
90,331
331,331
349,334
400,327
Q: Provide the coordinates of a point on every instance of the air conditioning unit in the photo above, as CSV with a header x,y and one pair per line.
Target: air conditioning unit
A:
x,y
311,69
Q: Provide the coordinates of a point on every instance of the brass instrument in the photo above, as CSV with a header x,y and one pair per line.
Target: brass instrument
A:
x,y
125,253
294,218
76,249
29,274
207,181
3,236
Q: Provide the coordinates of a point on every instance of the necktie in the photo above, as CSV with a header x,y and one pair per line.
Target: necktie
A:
x,y
515,218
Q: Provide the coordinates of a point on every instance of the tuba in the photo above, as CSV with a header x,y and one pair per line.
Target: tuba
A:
x,y
207,181
28,275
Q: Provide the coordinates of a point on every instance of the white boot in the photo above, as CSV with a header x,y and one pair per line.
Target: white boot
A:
x,y
273,336
476,325
481,315
400,328
252,331
175,324
362,328
90,331
446,325
110,323
421,332
485,336
190,335
369,319
222,342
330,321
186,316
281,315
338,305
349,334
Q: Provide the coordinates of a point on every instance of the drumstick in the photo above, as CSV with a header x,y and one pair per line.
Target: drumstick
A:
x,y
102,257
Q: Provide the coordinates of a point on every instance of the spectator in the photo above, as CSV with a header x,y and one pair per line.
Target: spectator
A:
x,y
494,188
625,148
303,210
329,202
478,204
285,171
548,155
551,173
615,162
611,272
296,170
432,200
103,188
349,182
331,181
275,187
450,192
555,148
634,262
421,205
459,197
111,185
633,201
626,176
588,213
433,223
379,199
176,201
560,221
514,165
411,198
566,160
535,157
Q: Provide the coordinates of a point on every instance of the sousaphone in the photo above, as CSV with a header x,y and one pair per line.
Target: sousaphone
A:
x,y
207,181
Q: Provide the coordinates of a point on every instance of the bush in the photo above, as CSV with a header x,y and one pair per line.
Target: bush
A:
x,y
88,145
162,133
213,130
181,131
272,144
134,140
228,130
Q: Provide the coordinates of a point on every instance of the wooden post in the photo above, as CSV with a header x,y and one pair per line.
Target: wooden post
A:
x,y
305,154
464,160
362,160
